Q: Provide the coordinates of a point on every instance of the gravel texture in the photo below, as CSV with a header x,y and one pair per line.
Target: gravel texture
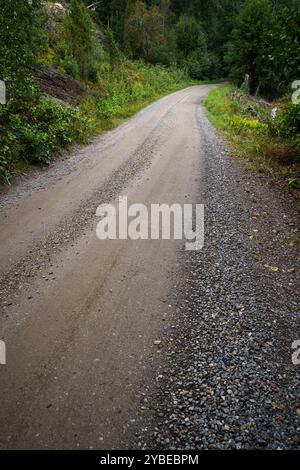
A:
x,y
226,379
222,366
70,227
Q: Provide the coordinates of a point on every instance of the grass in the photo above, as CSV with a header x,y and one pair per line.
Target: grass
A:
x,y
252,136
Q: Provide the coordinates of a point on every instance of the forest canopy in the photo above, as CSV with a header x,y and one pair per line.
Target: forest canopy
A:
x,y
212,38
209,39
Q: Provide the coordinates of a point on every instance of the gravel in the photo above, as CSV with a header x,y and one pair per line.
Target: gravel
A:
x,y
83,218
226,378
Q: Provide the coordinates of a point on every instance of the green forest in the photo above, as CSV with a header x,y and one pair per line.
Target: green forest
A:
x,y
76,68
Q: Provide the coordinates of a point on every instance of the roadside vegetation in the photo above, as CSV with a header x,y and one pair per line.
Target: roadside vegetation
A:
x,y
264,144
75,68
256,112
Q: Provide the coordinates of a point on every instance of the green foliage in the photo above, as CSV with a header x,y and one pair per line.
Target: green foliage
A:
x,y
264,145
264,37
144,33
243,126
287,123
281,58
216,18
189,35
112,48
65,60
82,49
33,131
112,14
22,39
248,40
136,83
192,48
265,45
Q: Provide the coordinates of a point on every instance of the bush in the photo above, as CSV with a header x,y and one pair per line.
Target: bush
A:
x,y
36,130
242,125
265,145
65,61
287,123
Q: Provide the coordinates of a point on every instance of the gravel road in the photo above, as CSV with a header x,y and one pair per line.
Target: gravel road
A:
x,y
228,380
122,344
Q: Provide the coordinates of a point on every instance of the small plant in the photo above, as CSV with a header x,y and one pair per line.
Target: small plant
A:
x,y
287,123
243,125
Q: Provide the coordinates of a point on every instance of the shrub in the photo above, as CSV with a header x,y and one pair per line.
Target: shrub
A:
x,y
65,61
287,123
243,125
35,130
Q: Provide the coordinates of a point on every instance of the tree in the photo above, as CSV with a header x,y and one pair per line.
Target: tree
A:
x,y
112,14
281,59
265,44
245,52
80,37
111,48
189,35
191,44
22,38
144,32
216,18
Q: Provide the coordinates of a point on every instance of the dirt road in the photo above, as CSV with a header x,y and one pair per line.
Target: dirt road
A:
x,y
80,317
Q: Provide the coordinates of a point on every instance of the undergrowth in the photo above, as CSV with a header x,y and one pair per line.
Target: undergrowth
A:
x,y
264,144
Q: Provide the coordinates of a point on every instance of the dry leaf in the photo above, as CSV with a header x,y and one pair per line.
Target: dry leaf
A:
x,y
276,406
271,267
280,417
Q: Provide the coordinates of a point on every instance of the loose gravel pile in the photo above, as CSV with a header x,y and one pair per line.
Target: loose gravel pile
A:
x,y
227,379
